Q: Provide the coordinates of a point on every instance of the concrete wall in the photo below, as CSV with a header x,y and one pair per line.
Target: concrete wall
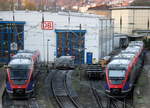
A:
x,y
97,27
117,15
132,19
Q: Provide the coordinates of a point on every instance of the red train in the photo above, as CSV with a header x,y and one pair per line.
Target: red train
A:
x,y
21,73
123,70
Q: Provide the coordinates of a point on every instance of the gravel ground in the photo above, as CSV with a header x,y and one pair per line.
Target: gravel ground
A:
x,y
42,96
82,87
142,93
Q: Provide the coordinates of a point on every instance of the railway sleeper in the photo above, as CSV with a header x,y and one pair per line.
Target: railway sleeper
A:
x,y
95,75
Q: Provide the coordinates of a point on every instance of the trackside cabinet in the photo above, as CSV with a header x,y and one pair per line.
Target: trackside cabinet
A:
x,y
11,39
89,57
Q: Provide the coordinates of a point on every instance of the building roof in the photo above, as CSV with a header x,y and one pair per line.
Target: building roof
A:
x,y
141,31
119,64
100,7
13,22
136,35
130,7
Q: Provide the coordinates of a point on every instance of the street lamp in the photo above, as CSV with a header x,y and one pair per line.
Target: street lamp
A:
x,y
47,51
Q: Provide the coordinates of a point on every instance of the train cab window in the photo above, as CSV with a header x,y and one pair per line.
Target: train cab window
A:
x,y
19,73
119,74
116,76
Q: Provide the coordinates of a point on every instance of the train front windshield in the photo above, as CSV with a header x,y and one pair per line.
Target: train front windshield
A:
x,y
116,76
19,73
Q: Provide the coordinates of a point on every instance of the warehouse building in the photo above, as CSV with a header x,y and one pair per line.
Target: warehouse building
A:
x,y
84,36
132,20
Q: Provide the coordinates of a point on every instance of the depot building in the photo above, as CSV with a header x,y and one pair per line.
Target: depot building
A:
x,y
85,36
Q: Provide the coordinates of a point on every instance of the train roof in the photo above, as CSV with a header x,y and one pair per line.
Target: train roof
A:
x,y
135,49
128,52
124,56
119,64
29,55
20,57
20,62
23,56
136,43
26,51
122,60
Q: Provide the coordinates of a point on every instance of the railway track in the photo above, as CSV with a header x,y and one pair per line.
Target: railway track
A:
x,y
104,101
19,103
61,92
96,95
118,103
24,104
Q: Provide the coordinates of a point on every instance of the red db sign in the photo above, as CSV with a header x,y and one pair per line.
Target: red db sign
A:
x,y
47,25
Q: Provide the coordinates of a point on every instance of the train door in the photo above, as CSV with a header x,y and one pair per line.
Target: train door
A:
x,y
71,43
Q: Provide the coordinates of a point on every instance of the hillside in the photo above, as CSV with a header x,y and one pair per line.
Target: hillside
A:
x,y
37,4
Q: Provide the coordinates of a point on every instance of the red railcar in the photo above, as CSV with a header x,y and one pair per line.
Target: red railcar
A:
x,y
123,70
21,73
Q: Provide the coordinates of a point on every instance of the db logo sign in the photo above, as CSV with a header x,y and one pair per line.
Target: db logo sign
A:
x,y
47,25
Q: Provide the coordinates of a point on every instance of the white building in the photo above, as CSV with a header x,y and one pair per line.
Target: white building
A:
x,y
98,36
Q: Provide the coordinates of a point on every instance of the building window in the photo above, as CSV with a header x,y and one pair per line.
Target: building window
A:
x,y
121,23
